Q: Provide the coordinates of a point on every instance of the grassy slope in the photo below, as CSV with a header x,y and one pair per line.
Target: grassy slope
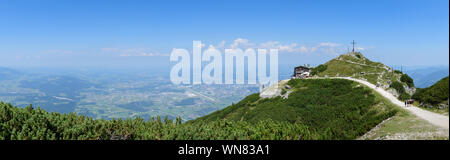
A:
x,y
344,107
404,125
435,94
341,66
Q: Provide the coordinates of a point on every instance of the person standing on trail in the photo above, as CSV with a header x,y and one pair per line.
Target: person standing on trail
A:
x,y
405,104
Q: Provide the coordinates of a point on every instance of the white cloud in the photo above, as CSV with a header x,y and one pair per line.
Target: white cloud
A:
x,y
57,51
212,47
329,44
360,49
221,44
110,49
132,52
303,49
269,44
125,55
323,47
290,48
241,43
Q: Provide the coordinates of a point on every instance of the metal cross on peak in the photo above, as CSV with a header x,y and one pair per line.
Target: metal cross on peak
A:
x,y
353,43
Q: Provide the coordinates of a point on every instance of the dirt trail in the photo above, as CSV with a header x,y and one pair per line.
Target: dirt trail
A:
x,y
433,118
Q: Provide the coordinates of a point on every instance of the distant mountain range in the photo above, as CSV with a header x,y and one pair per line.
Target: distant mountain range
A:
x,y
7,73
427,76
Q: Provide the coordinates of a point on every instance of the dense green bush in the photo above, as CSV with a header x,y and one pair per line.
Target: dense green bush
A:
x,y
283,91
398,87
408,80
404,96
400,90
398,72
37,124
318,69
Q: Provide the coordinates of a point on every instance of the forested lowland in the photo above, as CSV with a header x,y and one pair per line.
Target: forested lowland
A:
x,y
36,124
111,93
341,108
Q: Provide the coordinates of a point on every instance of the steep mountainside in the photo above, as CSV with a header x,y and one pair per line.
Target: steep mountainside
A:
x,y
434,96
342,107
357,66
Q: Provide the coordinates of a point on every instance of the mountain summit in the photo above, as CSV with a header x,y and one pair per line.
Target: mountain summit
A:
x,y
356,65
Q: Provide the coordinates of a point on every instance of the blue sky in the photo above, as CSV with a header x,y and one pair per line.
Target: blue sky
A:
x,y
133,33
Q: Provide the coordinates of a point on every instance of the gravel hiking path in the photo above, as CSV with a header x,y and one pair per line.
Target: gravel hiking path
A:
x,y
433,118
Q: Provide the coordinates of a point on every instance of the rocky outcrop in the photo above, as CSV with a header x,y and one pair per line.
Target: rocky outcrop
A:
x,y
393,92
276,89
409,90
443,105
